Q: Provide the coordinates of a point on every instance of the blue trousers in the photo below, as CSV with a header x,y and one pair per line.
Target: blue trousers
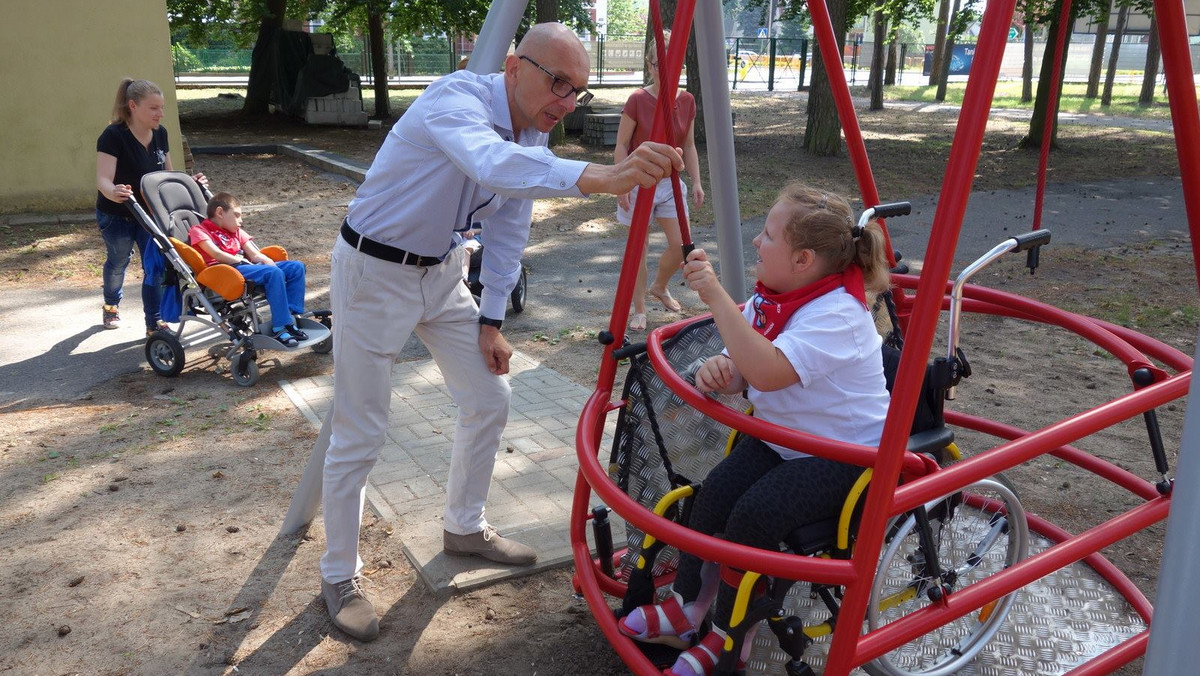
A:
x,y
120,233
284,286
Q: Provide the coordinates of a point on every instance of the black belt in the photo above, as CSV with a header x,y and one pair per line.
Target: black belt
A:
x,y
385,252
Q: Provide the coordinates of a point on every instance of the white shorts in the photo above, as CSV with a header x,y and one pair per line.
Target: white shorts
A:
x,y
664,202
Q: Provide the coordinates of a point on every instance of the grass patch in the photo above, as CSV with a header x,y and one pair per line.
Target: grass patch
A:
x,y
1008,95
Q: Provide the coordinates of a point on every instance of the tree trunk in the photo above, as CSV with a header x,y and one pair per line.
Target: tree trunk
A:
x,y
1118,35
1093,83
823,129
939,41
1038,119
944,75
893,54
691,62
378,61
262,60
1027,68
875,79
1153,52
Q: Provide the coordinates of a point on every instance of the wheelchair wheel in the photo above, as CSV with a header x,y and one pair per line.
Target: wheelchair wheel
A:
x,y
519,291
164,353
244,368
983,534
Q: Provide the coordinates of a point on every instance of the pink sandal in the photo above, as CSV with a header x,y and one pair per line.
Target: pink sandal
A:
x,y
660,623
701,659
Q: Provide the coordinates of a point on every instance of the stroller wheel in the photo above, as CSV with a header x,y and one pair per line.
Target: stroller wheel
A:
x,y
518,292
325,346
244,368
164,353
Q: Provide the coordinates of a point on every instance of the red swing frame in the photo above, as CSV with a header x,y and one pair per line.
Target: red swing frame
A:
x,y
919,313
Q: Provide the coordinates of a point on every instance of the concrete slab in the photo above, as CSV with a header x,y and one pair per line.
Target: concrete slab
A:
x,y
532,486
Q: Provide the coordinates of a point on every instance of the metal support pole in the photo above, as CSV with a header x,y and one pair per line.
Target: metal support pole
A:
x,y
722,165
771,65
1173,648
499,29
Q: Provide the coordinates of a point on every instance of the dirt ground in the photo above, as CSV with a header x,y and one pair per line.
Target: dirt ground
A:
x,y
138,523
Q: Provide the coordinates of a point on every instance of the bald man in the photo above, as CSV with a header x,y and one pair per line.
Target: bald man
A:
x,y
471,149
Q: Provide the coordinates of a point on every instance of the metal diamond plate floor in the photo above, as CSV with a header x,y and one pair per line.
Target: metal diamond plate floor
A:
x,y
1056,624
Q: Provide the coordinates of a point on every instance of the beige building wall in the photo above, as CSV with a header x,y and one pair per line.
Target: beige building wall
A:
x,y
60,64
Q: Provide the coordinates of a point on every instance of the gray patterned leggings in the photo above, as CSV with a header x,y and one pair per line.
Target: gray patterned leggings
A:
x,y
754,497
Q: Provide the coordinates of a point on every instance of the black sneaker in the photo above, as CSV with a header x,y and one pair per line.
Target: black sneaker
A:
x,y
284,336
295,331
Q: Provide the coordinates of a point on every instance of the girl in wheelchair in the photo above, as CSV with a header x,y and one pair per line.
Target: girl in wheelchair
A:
x,y
806,351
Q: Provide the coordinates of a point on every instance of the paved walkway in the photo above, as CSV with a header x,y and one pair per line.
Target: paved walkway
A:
x,y
532,487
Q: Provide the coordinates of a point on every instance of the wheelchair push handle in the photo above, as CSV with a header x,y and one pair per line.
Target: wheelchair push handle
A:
x,y
1029,240
885,211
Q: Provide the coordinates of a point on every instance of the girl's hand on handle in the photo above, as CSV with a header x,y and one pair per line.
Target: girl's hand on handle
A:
x,y
700,276
122,192
201,179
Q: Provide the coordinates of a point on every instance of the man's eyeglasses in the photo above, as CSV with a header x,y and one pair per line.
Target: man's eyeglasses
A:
x,y
563,89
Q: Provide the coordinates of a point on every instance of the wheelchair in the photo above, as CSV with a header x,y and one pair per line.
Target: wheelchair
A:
x,y
216,297
940,547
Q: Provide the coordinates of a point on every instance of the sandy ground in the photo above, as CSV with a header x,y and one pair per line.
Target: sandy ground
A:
x,y
139,519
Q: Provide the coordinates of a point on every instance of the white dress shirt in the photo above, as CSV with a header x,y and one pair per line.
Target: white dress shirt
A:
x,y
452,161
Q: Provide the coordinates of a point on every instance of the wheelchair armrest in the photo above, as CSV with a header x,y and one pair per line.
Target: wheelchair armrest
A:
x,y
931,441
275,252
224,280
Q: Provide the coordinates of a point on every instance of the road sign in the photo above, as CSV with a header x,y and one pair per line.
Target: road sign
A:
x,y
762,32
1013,34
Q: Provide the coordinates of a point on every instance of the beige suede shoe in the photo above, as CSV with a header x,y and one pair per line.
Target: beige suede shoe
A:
x,y
488,544
350,609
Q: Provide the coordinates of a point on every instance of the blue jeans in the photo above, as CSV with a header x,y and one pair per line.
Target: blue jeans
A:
x,y
284,286
120,233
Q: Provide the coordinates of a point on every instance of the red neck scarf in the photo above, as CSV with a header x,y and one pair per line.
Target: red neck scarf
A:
x,y
772,310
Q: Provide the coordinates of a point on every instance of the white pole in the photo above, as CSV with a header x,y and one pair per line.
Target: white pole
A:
x,y
1173,648
499,29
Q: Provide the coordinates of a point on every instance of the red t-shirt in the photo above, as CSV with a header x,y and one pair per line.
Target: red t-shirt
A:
x,y
229,242
640,108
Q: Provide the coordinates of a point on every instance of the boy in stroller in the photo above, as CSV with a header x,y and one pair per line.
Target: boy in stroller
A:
x,y
221,239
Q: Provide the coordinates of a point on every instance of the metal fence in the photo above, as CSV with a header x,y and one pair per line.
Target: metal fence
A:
x,y
773,64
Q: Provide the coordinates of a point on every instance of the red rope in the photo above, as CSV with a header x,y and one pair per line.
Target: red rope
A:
x,y
670,66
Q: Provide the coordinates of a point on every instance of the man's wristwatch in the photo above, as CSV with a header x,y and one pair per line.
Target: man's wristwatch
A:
x,y
487,321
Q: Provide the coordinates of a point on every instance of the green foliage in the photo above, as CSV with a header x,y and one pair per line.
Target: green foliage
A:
x,y
624,18
183,59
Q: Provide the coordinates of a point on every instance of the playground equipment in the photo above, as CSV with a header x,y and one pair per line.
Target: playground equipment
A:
x,y
1159,374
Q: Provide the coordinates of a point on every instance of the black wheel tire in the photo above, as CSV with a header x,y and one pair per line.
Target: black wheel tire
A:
x,y
244,369
164,353
518,292
325,346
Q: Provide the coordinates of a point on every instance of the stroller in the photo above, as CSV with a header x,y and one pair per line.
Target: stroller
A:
x,y
215,296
